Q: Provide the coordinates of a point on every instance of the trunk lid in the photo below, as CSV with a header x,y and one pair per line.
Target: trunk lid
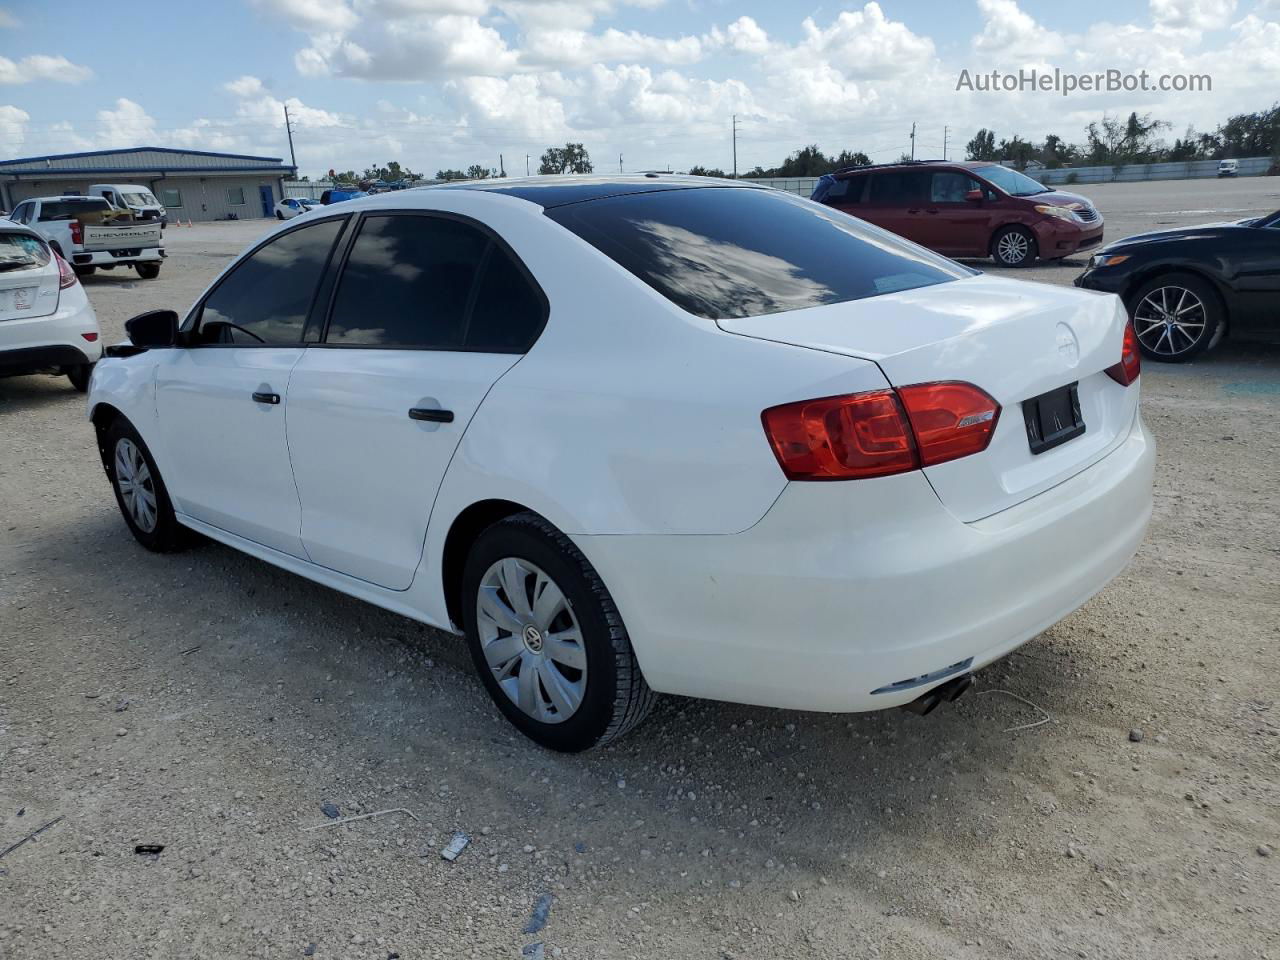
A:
x,y
28,286
129,236
1014,339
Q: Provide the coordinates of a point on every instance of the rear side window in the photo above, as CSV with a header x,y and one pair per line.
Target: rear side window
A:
x,y
433,283
18,251
265,299
726,252
898,188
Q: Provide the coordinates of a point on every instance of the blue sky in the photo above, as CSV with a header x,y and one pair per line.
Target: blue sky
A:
x,y
447,83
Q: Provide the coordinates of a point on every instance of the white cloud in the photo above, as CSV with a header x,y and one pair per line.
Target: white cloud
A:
x,y
1007,29
128,125
1195,14
13,129
7,19
42,67
577,48
746,36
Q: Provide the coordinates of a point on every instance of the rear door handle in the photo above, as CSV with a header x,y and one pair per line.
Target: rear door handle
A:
x,y
263,397
431,414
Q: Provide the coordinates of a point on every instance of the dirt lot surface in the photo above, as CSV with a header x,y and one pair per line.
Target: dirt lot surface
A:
x,y
211,703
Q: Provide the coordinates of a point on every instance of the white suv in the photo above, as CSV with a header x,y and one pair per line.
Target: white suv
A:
x,y
46,321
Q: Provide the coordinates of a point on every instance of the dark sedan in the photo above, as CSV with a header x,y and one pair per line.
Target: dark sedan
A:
x,y
1187,288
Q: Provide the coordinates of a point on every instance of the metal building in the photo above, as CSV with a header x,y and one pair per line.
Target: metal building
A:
x,y
192,184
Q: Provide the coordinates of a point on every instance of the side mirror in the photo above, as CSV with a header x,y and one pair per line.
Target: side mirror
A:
x,y
973,195
155,328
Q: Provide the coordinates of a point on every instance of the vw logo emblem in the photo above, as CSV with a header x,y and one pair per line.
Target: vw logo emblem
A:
x,y
1068,347
533,639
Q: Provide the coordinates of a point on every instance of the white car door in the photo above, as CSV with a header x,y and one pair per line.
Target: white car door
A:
x,y
428,313
220,400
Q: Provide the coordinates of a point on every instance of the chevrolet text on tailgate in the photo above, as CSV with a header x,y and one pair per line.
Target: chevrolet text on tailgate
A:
x,y
89,233
639,435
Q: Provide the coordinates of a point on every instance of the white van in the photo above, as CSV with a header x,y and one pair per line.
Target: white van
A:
x,y
131,196
1228,168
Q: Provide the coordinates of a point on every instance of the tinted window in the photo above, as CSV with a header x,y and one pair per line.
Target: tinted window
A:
x,y
951,187
899,187
407,283
739,252
1011,181
66,209
266,298
509,312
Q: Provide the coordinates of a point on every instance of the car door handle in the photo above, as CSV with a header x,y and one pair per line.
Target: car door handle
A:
x,y
931,210
913,209
431,414
262,397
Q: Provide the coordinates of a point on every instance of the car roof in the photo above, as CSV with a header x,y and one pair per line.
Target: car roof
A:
x,y
916,164
557,190
70,198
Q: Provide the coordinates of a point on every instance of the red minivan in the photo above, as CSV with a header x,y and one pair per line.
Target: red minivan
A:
x,y
973,209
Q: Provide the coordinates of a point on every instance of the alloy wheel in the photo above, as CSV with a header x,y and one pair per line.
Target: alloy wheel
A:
x,y
137,490
1169,320
531,640
1013,247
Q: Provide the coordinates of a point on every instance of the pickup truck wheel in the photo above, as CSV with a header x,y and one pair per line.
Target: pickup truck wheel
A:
x,y
148,271
547,640
79,376
83,270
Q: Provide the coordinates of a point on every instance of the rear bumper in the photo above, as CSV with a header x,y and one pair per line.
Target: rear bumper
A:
x,y
844,589
56,340
107,258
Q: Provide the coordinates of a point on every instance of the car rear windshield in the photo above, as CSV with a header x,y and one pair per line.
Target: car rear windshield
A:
x,y
726,252
66,209
21,251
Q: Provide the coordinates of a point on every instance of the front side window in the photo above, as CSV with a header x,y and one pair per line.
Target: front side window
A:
x,y
951,187
21,213
435,283
266,298
727,252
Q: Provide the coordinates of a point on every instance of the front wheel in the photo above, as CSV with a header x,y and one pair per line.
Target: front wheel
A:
x,y
148,271
1014,247
547,640
279,215
1177,317
140,491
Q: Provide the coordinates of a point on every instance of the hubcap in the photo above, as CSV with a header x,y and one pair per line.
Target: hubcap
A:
x,y
1013,247
1169,320
137,489
531,640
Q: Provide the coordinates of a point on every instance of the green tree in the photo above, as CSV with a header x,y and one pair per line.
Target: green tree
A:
x,y
705,172
982,146
571,158
1017,150
851,158
1116,142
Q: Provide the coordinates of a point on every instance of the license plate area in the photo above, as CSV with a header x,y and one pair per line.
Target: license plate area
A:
x,y
1053,418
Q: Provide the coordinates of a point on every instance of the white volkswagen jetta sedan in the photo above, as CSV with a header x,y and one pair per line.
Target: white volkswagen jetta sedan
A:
x,y
645,434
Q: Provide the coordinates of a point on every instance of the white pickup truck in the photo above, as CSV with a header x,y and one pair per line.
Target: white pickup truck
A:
x,y
88,232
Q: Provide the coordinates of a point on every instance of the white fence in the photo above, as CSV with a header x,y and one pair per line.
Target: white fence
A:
x,y
1133,172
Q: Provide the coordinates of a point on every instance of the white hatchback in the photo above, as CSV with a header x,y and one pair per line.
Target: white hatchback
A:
x,y
46,321
643,434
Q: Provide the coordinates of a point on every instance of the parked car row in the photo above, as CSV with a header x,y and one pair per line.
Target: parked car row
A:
x,y
90,233
736,482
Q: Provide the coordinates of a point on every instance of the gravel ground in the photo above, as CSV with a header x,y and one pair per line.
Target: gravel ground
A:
x,y
211,703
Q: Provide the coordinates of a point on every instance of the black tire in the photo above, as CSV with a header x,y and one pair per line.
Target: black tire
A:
x,y
167,535
148,271
1198,328
1013,247
79,376
616,697
279,215
83,270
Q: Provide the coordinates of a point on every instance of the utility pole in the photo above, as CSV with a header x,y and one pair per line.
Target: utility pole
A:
x,y
289,129
619,163
502,171
944,142
735,146
913,140
526,164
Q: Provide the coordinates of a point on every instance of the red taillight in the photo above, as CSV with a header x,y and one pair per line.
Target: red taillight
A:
x,y
66,276
1130,365
881,432
91,337
77,232
840,438
950,419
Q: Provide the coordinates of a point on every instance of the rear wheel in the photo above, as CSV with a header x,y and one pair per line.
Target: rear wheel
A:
x,y
1177,317
1013,247
140,491
148,271
547,640
79,375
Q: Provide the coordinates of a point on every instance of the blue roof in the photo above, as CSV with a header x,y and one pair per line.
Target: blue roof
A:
x,y
103,153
